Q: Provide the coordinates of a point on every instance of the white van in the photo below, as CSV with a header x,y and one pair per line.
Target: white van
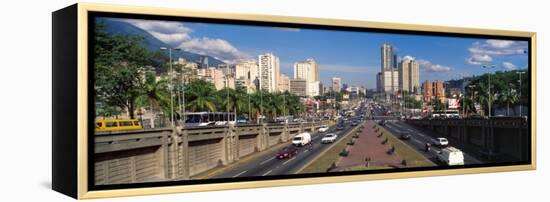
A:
x,y
451,156
301,139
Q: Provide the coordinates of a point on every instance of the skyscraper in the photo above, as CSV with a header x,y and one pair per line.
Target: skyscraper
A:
x,y
388,70
409,76
269,72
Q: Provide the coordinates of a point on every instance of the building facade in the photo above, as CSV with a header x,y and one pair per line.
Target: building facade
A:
x,y
427,89
336,84
298,87
269,72
245,73
409,76
284,83
390,75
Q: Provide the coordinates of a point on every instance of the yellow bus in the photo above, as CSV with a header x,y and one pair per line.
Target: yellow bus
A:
x,y
117,124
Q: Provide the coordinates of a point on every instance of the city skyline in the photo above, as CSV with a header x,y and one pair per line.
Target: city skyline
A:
x,y
352,56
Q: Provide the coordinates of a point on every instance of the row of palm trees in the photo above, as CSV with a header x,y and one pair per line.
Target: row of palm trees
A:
x,y
480,94
200,95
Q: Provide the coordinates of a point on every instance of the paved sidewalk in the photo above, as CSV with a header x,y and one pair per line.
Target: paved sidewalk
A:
x,y
368,145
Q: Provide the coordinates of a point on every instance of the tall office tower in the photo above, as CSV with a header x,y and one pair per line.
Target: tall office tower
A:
x,y
269,72
336,84
390,75
428,91
409,76
439,91
245,73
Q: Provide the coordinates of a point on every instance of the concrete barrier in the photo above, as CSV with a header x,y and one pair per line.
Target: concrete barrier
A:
x,y
507,137
178,154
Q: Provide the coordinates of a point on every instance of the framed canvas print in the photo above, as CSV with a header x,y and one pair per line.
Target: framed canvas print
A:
x,y
153,101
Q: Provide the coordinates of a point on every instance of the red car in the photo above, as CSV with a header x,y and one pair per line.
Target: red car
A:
x,y
287,152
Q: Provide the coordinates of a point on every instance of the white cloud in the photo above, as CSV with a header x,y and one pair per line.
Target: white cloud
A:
x,y
178,35
499,43
172,33
484,52
408,57
478,59
428,66
508,66
218,48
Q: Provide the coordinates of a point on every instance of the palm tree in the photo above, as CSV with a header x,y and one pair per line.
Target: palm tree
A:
x,y
483,96
154,93
508,97
232,99
201,96
257,104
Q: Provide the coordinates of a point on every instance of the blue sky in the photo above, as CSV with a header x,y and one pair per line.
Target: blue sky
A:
x,y
353,56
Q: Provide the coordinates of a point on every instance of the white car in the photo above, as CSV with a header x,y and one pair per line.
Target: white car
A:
x,y
329,138
441,142
323,129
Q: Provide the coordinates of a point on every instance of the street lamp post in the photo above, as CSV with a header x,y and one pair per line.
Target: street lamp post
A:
x,y
489,96
171,84
520,73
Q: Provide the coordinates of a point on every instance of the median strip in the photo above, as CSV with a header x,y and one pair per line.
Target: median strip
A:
x,y
323,161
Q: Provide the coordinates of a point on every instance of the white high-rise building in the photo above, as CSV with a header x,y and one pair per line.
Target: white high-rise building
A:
x,y
245,73
309,71
269,72
409,76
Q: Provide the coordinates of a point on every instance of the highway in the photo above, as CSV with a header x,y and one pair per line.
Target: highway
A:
x,y
419,139
267,164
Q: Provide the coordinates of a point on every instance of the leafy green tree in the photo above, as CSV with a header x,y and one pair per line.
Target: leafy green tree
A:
x,y
119,61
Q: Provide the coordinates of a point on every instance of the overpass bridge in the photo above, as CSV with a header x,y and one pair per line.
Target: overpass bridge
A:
x,y
178,154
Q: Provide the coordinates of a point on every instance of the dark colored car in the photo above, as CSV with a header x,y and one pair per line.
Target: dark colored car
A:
x,y
382,122
354,123
405,136
287,152
340,127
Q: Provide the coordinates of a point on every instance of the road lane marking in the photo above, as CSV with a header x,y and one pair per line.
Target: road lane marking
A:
x,y
237,175
267,160
306,150
267,173
417,141
288,160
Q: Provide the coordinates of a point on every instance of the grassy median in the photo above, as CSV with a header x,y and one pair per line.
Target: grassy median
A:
x,y
321,164
405,152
